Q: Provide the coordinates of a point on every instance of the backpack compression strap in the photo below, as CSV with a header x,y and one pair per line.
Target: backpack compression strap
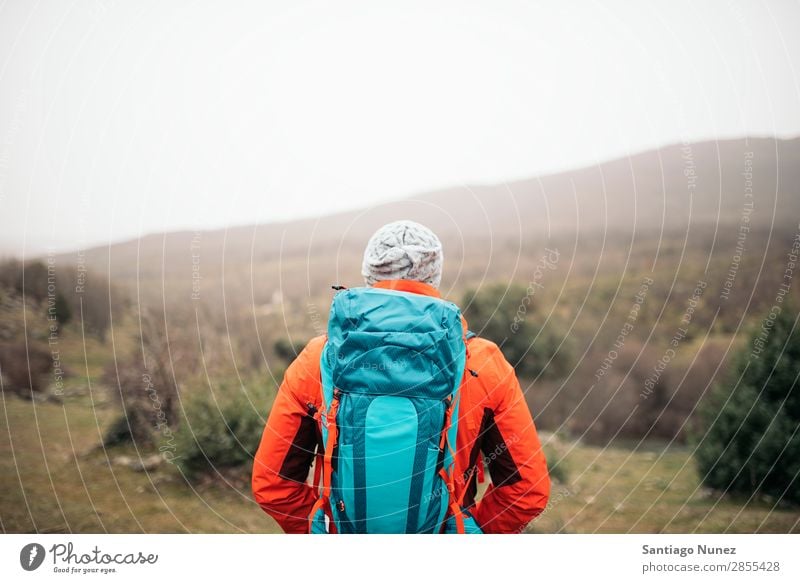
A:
x,y
324,501
455,508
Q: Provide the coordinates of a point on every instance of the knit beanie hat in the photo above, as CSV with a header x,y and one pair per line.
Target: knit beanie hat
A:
x,y
403,250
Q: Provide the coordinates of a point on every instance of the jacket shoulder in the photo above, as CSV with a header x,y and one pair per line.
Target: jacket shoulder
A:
x,y
308,359
314,346
486,358
302,376
481,349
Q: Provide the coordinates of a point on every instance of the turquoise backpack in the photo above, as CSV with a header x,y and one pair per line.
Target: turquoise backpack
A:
x,y
391,373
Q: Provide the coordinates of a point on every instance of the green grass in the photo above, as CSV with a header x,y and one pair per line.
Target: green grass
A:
x,y
649,489
56,479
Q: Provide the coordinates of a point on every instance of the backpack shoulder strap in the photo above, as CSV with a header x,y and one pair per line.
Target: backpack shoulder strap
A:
x,y
470,335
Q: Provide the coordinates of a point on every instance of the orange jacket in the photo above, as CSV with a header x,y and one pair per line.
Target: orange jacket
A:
x,y
493,420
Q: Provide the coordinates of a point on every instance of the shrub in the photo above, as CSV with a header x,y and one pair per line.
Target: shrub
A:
x,y
286,350
508,317
147,399
144,386
90,300
751,445
9,273
63,312
24,369
556,464
32,281
118,433
217,433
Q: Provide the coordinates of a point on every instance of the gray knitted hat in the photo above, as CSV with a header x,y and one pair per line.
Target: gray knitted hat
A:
x,y
403,250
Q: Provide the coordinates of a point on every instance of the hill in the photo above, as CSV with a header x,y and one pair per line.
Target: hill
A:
x,y
694,191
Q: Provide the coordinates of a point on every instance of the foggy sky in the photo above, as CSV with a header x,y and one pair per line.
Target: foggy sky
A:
x,y
124,118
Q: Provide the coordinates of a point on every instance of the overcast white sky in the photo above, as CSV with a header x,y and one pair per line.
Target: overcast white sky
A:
x,y
125,118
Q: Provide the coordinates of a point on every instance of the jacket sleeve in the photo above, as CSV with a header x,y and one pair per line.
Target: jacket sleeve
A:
x,y
288,445
520,482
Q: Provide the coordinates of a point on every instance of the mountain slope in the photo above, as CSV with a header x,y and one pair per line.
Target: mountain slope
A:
x,y
692,192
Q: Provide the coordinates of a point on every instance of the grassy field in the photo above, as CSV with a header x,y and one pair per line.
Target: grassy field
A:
x,y
645,488
56,479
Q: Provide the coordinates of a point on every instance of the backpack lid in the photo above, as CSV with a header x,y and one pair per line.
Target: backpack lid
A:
x,y
391,342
